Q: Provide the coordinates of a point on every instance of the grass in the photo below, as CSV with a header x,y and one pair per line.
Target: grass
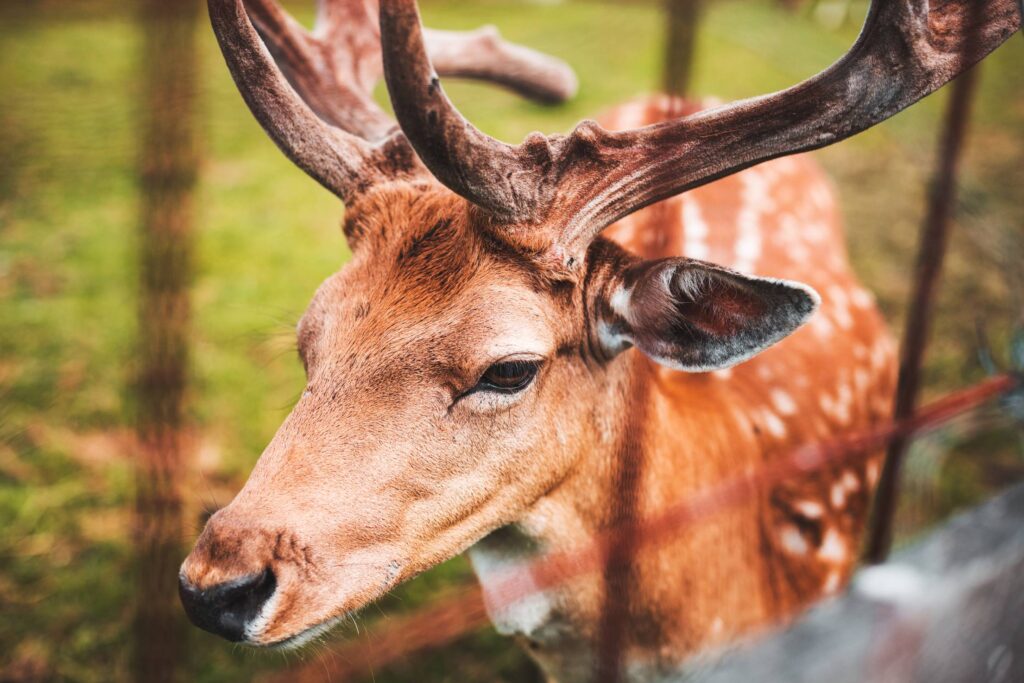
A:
x,y
267,235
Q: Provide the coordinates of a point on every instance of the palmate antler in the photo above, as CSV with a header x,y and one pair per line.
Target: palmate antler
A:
x,y
558,192
313,91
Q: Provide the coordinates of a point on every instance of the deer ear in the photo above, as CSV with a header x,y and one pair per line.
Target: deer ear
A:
x,y
696,316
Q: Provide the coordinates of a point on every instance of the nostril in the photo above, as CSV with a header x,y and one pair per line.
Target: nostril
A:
x,y
226,609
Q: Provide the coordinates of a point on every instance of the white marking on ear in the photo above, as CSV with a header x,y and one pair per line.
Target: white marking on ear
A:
x,y
612,342
619,301
736,360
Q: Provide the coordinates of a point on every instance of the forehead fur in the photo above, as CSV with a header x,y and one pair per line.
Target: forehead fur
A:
x,y
423,269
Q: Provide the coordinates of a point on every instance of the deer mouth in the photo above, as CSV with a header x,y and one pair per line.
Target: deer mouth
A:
x,y
303,637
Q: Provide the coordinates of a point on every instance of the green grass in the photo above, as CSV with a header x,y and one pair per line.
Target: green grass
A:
x,y
267,235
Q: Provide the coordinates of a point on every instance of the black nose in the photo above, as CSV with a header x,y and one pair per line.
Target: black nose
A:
x,y
226,608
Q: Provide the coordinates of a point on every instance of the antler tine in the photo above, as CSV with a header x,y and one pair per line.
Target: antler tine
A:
x,y
485,171
578,185
335,68
906,50
340,162
482,55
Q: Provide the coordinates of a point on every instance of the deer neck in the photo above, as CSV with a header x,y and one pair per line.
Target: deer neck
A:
x,y
646,452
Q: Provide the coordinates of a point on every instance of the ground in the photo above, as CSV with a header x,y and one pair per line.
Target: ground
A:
x,y
267,235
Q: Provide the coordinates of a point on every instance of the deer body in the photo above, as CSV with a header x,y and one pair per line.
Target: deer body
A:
x,y
755,564
527,349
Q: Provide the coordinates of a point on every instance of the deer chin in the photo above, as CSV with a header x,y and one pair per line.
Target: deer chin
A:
x,y
278,627
304,637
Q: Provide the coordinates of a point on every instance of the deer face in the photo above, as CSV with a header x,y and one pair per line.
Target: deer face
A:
x,y
456,364
435,365
451,383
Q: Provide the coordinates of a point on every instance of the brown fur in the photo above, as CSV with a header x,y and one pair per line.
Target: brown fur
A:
x,y
378,474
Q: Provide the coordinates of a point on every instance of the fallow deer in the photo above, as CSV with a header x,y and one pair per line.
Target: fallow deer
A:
x,y
471,377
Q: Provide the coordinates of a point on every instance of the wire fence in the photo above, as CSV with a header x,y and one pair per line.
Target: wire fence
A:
x,y
460,611
613,551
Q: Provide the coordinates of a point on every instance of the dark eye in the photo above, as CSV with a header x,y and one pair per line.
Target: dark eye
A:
x,y
508,377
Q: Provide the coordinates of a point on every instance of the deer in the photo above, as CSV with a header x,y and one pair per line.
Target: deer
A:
x,y
532,343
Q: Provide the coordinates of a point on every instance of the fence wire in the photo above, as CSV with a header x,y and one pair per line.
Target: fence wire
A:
x,y
462,610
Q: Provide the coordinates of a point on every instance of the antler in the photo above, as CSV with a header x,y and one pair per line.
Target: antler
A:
x,y
341,162
313,91
560,191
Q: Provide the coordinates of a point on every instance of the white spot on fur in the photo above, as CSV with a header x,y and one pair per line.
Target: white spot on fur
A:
x,y
725,373
815,232
810,509
861,378
783,402
755,199
840,307
831,583
821,196
838,496
833,548
872,472
821,326
862,298
775,426
850,481
695,230
792,540
525,616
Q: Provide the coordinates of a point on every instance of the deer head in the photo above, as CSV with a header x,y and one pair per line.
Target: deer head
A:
x,y
461,364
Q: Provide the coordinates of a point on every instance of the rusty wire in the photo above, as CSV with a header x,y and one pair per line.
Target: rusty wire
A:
x,y
462,610
931,253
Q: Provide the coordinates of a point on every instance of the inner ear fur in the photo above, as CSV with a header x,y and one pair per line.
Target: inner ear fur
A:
x,y
691,315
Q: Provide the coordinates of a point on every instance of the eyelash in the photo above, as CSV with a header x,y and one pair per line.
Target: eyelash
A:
x,y
507,377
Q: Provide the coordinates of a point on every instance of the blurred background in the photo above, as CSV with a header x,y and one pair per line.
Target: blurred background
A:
x,y
156,251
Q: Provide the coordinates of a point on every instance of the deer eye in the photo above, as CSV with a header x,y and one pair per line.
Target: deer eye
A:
x,y
508,377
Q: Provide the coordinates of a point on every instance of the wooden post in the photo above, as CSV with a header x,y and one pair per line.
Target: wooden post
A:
x,y
167,174
931,253
682,17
